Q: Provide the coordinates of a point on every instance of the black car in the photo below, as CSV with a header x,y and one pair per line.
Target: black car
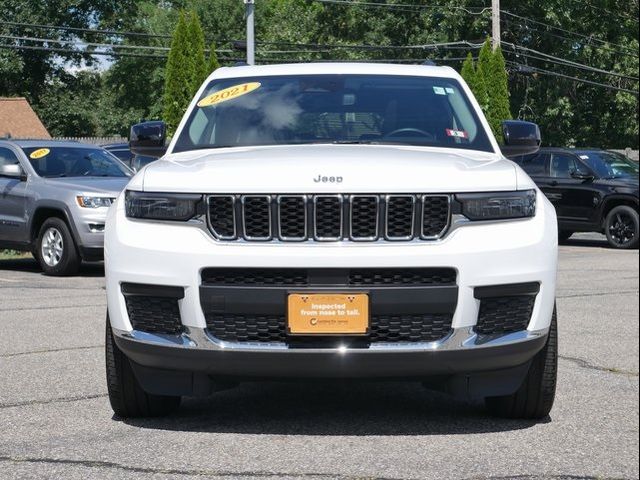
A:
x,y
121,150
593,191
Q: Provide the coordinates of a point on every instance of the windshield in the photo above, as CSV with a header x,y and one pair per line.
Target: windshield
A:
x,y
301,109
53,162
609,164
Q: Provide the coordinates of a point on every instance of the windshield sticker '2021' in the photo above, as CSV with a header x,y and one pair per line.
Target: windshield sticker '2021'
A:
x,y
228,94
41,152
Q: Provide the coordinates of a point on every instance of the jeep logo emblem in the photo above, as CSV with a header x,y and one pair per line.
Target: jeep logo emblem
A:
x,y
322,179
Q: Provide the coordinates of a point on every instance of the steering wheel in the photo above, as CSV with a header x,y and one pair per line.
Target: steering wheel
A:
x,y
395,133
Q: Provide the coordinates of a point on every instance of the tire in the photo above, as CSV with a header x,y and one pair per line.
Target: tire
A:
x,y
55,248
534,399
564,235
622,228
127,398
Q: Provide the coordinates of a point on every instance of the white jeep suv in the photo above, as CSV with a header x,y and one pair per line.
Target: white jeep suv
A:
x,y
332,221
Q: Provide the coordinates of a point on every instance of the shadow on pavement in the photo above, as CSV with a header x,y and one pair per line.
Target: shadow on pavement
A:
x,y
29,264
389,408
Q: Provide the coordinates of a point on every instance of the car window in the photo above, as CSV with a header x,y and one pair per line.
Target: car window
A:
x,y
609,164
56,161
534,164
562,165
124,155
303,109
7,157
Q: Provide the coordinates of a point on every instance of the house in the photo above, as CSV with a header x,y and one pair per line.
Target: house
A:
x,y
18,120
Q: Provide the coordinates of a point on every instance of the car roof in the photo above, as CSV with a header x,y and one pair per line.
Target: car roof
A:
x,y
334,68
114,146
569,149
48,143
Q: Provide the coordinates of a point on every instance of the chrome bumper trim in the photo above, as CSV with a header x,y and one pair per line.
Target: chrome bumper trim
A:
x,y
459,339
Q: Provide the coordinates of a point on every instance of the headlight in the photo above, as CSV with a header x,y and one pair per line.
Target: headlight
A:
x,y
499,205
161,206
88,201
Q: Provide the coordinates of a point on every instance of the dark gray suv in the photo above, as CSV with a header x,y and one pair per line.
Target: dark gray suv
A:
x,y
54,198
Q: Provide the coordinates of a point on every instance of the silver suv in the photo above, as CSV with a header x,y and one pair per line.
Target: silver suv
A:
x,y
54,198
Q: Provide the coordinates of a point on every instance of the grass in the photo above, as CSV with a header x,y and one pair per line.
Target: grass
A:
x,y
13,254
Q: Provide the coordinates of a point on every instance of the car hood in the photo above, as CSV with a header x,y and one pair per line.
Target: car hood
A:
x,y
330,168
107,185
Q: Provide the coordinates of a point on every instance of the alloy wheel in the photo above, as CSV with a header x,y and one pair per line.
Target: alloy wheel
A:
x,y
622,229
52,247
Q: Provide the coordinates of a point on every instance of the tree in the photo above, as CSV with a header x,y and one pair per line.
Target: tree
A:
x,y
212,61
475,79
499,93
491,70
196,56
179,76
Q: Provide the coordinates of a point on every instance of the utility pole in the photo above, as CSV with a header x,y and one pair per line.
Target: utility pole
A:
x,y
495,23
251,40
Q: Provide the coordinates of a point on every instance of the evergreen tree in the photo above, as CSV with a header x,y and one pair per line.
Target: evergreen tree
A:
x,y
491,68
212,62
475,79
199,64
500,109
178,77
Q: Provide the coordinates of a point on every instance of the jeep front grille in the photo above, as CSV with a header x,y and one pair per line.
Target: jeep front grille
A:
x,y
329,218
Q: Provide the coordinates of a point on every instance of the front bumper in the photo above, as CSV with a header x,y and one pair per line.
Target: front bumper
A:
x,y
482,254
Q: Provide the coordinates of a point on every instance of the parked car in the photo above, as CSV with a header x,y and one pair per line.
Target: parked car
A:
x,y
120,150
133,161
593,191
332,221
54,198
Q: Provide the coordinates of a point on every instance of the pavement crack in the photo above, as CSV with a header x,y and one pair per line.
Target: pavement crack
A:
x,y
558,476
53,350
53,400
171,471
599,294
585,364
57,307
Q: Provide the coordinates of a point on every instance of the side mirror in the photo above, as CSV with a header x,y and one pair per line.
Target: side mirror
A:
x,y
520,138
12,171
582,175
148,138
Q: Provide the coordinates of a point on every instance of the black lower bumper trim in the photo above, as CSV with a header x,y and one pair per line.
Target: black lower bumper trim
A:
x,y
305,364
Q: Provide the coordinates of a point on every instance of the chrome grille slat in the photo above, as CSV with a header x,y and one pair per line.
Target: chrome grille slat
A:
x,y
329,218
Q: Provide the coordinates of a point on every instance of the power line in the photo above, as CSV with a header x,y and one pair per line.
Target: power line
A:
x,y
572,40
568,62
608,12
530,69
570,32
407,7
93,44
85,30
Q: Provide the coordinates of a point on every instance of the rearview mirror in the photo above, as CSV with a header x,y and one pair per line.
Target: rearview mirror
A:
x,y
520,138
12,171
148,138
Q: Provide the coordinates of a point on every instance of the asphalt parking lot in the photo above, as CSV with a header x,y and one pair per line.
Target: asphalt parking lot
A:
x,y
55,419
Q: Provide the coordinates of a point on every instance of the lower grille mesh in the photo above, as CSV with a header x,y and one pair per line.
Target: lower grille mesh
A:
x,y
153,314
384,328
499,315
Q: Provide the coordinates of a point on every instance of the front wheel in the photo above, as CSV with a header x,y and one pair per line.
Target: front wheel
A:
x,y
127,398
534,399
622,228
55,248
